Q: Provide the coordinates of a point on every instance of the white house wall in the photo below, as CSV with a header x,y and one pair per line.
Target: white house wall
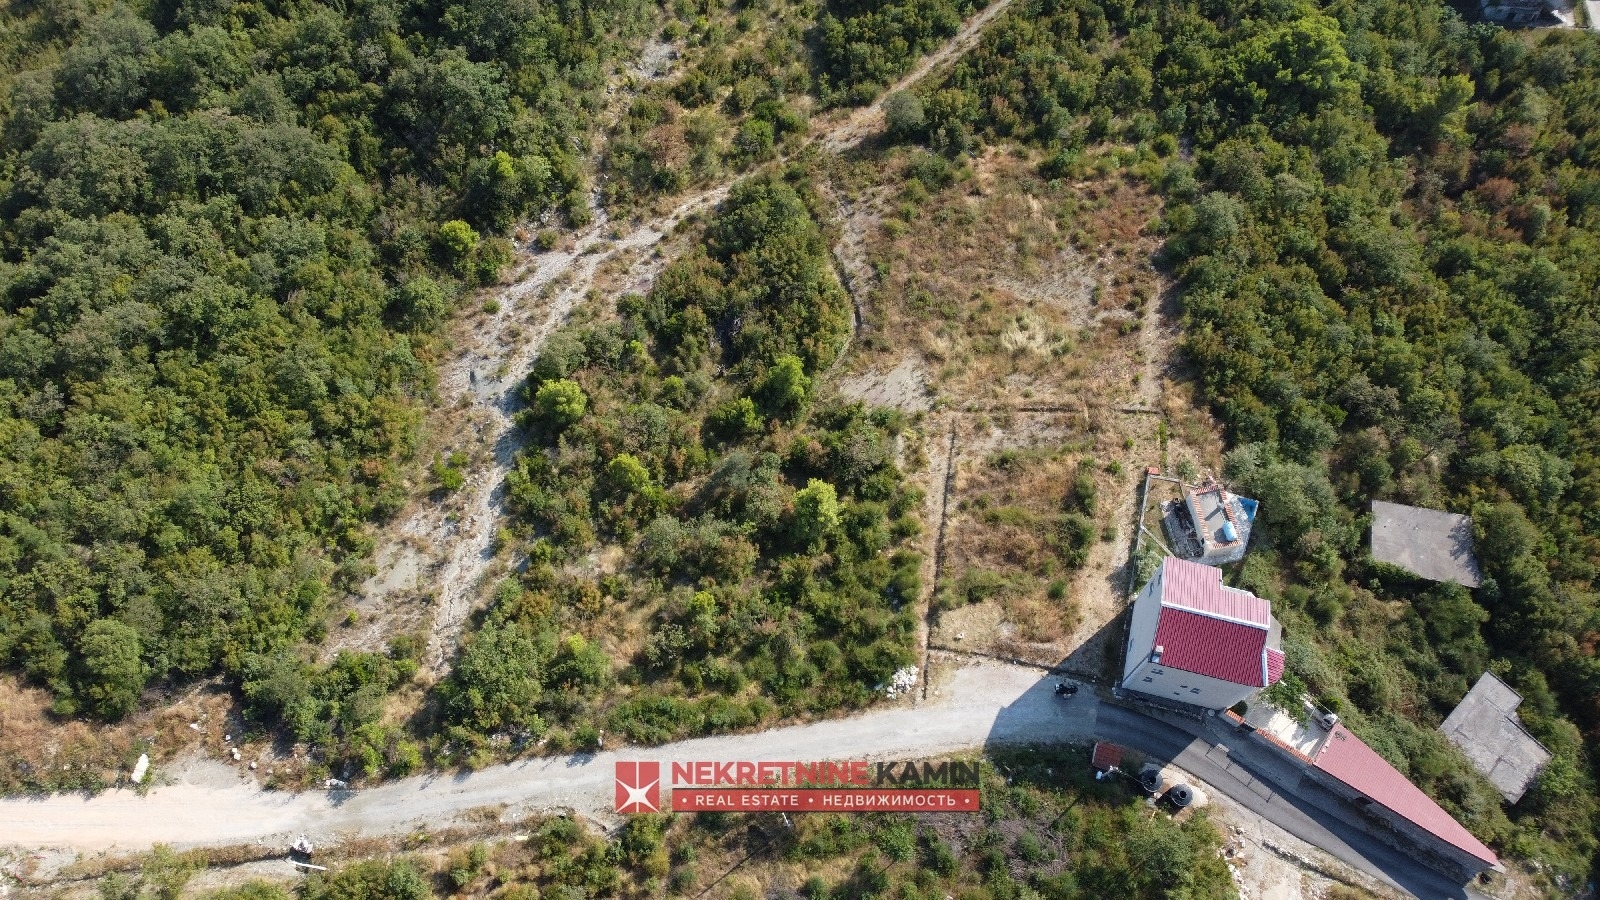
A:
x,y
1169,683
1142,627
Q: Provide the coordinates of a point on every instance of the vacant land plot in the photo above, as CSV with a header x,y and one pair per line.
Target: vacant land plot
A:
x,y
1030,318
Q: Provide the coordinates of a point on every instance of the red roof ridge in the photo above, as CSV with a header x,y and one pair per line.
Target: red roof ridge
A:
x,y
1198,587
1212,646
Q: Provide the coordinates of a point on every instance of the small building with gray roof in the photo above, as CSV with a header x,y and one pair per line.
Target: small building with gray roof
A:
x,y
1428,543
1486,728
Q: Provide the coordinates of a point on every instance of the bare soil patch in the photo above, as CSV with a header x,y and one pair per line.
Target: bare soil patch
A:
x,y
1033,315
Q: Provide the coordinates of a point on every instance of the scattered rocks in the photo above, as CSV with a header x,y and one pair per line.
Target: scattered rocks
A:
x,y
902,682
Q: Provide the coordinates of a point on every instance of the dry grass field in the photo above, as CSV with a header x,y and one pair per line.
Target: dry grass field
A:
x,y
1031,321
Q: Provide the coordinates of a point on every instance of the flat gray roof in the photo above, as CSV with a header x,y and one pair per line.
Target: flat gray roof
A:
x,y
1426,542
1486,728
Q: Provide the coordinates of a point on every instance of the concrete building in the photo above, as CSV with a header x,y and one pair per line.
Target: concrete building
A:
x,y
1486,728
1528,13
1345,765
1428,543
1209,524
1378,795
1195,640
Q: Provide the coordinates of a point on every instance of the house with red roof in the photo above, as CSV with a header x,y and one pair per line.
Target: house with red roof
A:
x,y
1351,770
1195,640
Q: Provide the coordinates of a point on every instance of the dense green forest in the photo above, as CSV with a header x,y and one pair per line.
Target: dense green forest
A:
x,y
1384,220
228,232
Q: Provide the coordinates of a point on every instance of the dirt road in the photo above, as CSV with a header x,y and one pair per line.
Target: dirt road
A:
x,y
841,135
445,554
981,703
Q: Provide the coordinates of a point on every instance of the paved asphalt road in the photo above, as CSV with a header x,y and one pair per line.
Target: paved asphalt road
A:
x,y
985,703
1301,813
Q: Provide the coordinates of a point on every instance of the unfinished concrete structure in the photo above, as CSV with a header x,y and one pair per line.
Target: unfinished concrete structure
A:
x,y
1209,524
1428,543
1486,728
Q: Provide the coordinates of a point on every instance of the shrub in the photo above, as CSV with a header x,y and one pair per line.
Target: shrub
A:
x,y
785,387
114,674
458,240
816,513
735,419
904,116
369,880
560,403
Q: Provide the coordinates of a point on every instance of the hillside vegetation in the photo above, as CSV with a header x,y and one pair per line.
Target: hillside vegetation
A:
x,y
1048,829
230,231
760,572
1384,222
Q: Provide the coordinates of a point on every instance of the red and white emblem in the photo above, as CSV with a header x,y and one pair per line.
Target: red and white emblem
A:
x,y
638,787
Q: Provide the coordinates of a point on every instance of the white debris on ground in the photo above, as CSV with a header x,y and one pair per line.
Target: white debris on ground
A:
x,y
902,682
140,768
1238,880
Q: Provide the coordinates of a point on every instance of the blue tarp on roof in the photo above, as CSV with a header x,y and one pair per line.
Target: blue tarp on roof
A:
x,y
1249,508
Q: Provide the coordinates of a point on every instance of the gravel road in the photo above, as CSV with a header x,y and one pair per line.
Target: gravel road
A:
x,y
981,703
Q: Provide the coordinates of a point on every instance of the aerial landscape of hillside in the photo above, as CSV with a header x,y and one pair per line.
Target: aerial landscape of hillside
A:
x,y
400,390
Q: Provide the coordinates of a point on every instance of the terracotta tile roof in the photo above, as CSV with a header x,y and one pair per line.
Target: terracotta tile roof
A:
x,y
1207,645
1198,587
1105,755
1347,758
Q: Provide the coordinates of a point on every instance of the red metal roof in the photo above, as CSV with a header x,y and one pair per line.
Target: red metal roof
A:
x,y
1347,758
1274,665
1105,755
1206,645
1197,587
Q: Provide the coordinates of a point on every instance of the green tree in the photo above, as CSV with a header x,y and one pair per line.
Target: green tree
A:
x,y
785,387
498,681
904,116
459,240
1296,68
735,418
114,672
816,513
561,402
627,475
421,303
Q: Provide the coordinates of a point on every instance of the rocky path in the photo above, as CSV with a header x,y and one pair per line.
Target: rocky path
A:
x,y
445,553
